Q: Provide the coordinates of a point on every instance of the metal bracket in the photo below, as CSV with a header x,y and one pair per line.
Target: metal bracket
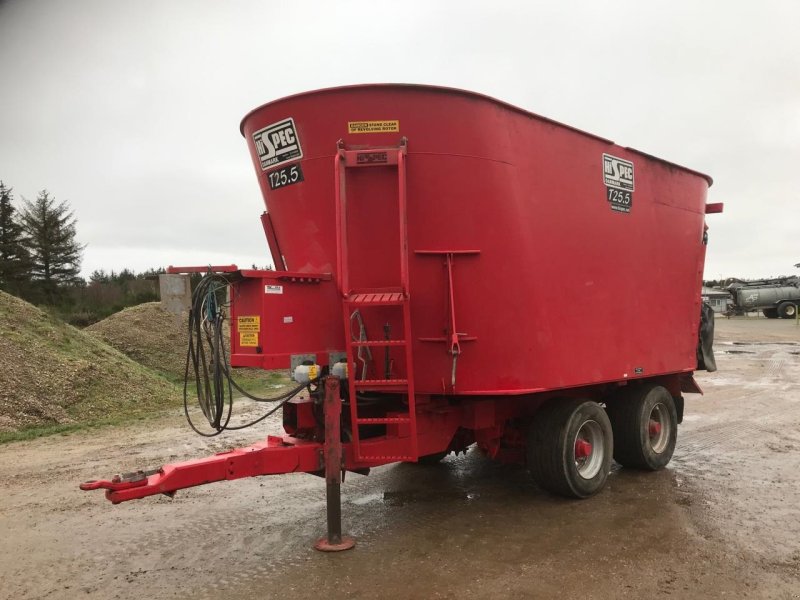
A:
x,y
453,337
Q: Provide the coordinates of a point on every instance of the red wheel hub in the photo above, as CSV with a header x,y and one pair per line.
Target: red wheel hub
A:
x,y
655,428
583,449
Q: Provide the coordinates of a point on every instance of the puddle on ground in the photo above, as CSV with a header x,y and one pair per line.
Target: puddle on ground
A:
x,y
766,343
410,497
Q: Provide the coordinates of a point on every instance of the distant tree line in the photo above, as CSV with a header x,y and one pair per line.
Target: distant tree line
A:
x,y
40,261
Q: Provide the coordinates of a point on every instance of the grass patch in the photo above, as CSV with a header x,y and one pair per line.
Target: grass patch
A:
x,y
34,432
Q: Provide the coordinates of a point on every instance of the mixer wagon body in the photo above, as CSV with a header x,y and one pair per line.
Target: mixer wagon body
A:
x,y
450,270
564,274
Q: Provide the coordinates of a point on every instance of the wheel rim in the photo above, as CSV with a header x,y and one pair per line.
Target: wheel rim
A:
x,y
659,428
790,310
588,449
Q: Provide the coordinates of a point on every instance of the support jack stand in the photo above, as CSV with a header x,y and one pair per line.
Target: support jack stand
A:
x,y
334,542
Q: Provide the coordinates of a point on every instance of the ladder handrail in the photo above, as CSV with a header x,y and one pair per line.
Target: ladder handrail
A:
x,y
403,215
341,220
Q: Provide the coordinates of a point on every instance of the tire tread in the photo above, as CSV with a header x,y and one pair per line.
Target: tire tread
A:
x,y
545,447
625,413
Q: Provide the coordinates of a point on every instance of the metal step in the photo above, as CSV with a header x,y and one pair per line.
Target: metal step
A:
x,y
382,420
377,299
378,343
385,385
387,458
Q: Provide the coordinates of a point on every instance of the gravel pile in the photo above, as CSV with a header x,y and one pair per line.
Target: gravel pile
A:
x,y
158,340
149,335
52,373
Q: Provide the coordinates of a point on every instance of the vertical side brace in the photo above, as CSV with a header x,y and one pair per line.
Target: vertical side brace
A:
x,y
453,337
334,542
272,242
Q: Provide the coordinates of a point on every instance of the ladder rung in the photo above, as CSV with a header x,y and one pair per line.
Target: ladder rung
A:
x,y
392,458
372,157
377,299
378,342
382,384
382,420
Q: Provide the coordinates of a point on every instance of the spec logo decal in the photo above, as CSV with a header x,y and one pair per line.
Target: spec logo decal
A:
x,y
618,177
277,143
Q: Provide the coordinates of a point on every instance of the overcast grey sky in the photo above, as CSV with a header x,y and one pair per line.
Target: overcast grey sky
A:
x,y
130,110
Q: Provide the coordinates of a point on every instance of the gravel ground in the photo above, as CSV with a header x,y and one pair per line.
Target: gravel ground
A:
x,y
721,521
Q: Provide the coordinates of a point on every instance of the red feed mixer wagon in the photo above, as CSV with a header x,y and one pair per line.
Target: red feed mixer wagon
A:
x,y
452,270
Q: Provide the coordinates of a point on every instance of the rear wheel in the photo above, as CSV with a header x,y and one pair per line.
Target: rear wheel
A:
x,y
787,310
770,313
645,425
569,448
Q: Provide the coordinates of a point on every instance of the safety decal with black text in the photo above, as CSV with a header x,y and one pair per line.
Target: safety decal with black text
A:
x,y
277,143
249,328
618,178
248,339
373,126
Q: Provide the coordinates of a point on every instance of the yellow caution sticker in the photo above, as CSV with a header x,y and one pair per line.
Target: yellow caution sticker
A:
x,y
372,126
248,339
252,324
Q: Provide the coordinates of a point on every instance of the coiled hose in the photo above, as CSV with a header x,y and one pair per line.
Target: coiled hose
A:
x,y
208,364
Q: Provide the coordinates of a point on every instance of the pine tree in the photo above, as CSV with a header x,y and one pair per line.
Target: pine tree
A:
x,y
13,256
55,255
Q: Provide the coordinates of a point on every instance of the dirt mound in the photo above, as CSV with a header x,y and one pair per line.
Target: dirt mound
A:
x,y
158,340
149,335
52,373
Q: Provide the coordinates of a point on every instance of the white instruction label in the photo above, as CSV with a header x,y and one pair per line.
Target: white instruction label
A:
x,y
273,289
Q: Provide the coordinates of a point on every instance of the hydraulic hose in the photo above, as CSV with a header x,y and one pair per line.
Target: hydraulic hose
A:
x,y
207,361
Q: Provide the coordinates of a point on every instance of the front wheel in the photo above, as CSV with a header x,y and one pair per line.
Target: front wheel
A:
x,y
645,425
787,310
570,443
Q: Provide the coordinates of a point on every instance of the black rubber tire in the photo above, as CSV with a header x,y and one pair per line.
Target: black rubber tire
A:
x,y
770,313
787,310
630,419
550,450
432,459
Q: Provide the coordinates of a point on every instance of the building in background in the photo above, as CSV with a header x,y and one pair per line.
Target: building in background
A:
x,y
717,298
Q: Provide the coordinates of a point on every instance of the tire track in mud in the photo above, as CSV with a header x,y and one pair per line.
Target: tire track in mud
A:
x,y
774,368
711,436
